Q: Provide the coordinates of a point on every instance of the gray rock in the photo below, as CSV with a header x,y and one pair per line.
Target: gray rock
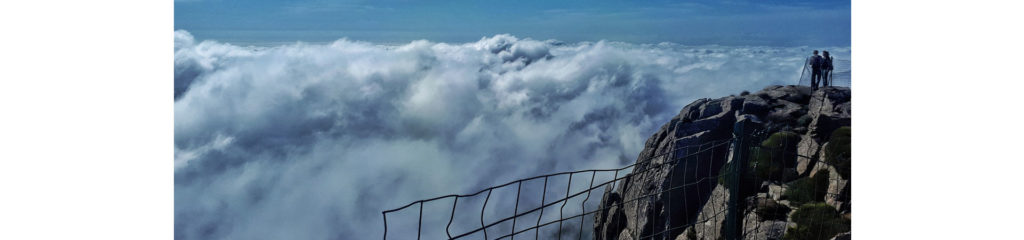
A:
x,y
829,109
756,228
820,165
756,106
712,215
821,126
775,191
843,109
711,108
786,112
807,153
612,218
838,190
767,208
717,107
626,235
827,100
692,111
695,199
797,94
769,88
749,118
843,236
713,123
800,130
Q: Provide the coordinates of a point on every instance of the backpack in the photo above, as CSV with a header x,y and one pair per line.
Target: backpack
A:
x,y
827,63
816,62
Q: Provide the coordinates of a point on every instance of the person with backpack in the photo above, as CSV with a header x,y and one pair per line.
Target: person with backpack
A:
x,y
816,62
826,69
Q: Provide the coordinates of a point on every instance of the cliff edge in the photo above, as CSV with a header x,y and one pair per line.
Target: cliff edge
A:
x,y
795,183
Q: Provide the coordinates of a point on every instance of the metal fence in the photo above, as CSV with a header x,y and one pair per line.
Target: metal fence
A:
x,y
722,214
839,76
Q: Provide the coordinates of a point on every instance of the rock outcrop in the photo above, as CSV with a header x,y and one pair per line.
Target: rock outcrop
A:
x,y
675,192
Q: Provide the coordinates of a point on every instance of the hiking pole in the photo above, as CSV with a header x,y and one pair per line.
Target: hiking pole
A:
x,y
831,80
802,71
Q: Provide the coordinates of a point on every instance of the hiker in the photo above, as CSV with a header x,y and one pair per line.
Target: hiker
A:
x,y
826,69
816,62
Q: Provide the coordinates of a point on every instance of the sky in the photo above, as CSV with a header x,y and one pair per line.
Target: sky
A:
x,y
700,22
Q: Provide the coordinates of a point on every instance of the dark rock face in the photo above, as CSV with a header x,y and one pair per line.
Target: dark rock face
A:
x,y
673,196
611,218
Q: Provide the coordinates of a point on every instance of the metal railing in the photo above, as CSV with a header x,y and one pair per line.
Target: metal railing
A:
x,y
839,75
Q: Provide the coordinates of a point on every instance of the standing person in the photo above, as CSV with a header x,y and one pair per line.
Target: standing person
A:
x,y
826,69
815,62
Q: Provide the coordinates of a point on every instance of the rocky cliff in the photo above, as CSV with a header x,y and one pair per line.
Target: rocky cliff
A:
x,y
795,183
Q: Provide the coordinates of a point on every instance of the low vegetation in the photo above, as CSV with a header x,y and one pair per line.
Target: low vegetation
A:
x,y
837,153
774,156
772,160
809,189
816,221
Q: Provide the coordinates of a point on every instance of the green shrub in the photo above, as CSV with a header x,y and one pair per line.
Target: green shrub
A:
x,y
750,184
816,221
837,153
810,189
804,121
776,153
723,174
769,161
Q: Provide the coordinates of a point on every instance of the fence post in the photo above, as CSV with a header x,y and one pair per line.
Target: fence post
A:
x,y
734,219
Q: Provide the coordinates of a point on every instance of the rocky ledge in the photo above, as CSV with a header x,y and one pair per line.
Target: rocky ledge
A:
x,y
795,185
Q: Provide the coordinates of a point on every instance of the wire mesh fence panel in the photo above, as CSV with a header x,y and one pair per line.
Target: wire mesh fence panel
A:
x,y
708,189
841,73
567,203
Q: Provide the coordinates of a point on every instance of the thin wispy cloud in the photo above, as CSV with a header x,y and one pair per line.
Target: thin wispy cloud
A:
x,y
776,23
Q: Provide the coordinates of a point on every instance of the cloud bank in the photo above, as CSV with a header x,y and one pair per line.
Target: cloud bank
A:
x,y
312,141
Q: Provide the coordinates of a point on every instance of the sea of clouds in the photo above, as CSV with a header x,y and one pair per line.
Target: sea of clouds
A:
x,y
313,141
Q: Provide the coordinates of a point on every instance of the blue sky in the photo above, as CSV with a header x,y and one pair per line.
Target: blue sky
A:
x,y
774,23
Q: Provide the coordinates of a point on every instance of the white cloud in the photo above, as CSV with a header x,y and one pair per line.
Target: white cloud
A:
x,y
309,141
